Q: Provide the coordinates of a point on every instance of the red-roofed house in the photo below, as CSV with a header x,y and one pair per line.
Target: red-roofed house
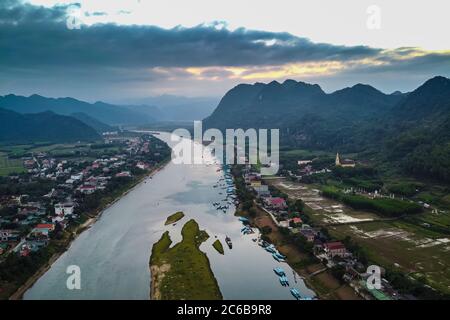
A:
x,y
297,220
336,248
276,203
49,226
87,189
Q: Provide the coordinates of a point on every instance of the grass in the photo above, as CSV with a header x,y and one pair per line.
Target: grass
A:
x,y
174,217
428,262
8,166
218,246
189,275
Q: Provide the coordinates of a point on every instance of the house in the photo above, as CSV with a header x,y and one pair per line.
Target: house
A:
x,y
87,189
276,203
76,177
141,165
297,220
255,183
262,190
64,209
336,248
123,174
303,162
284,224
42,230
309,234
346,163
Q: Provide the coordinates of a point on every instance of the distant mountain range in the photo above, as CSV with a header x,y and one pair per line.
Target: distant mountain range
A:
x,y
133,112
412,129
27,113
43,127
174,108
104,112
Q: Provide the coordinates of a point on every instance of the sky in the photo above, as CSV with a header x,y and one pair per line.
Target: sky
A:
x,y
125,49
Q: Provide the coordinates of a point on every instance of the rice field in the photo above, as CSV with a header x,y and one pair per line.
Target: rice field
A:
x,y
8,166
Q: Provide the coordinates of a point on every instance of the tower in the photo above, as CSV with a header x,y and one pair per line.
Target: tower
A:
x,y
338,160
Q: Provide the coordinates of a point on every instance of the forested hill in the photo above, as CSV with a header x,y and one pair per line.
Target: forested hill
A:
x,y
410,129
45,126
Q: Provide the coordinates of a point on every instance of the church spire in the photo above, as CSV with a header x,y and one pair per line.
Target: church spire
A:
x,y
338,159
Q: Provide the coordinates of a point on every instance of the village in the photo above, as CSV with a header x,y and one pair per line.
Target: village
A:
x,y
292,216
65,193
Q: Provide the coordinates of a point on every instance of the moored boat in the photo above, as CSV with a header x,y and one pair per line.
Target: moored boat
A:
x,y
228,242
295,293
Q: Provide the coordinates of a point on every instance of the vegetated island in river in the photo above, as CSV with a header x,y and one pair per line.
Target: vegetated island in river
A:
x,y
218,246
174,217
182,271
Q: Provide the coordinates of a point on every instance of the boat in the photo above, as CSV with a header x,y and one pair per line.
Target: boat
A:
x,y
243,219
295,293
270,249
228,242
279,255
279,271
284,281
274,255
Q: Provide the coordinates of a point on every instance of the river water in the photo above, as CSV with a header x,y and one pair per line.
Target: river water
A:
x,y
113,255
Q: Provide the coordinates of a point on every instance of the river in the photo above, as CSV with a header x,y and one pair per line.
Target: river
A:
x,y
113,255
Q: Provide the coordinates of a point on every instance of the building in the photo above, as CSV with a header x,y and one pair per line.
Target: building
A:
x,y
335,249
42,230
141,165
303,162
64,209
346,163
123,174
87,189
309,234
255,183
276,203
262,190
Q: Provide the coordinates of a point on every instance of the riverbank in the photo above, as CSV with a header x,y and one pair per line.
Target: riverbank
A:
x,y
183,271
78,230
312,271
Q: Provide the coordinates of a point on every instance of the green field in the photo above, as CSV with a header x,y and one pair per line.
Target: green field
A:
x,y
403,246
183,272
8,166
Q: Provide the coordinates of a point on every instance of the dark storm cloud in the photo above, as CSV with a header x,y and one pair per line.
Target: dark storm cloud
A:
x,y
33,36
38,53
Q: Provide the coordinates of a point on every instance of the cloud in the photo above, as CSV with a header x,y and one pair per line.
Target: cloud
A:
x,y
36,44
35,35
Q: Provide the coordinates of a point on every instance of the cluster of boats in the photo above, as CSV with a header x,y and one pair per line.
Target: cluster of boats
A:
x,y
226,184
246,229
283,279
285,282
271,248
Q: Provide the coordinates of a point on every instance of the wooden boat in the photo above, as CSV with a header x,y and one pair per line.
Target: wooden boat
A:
x,y
279,271
228,242
295,293
284,281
